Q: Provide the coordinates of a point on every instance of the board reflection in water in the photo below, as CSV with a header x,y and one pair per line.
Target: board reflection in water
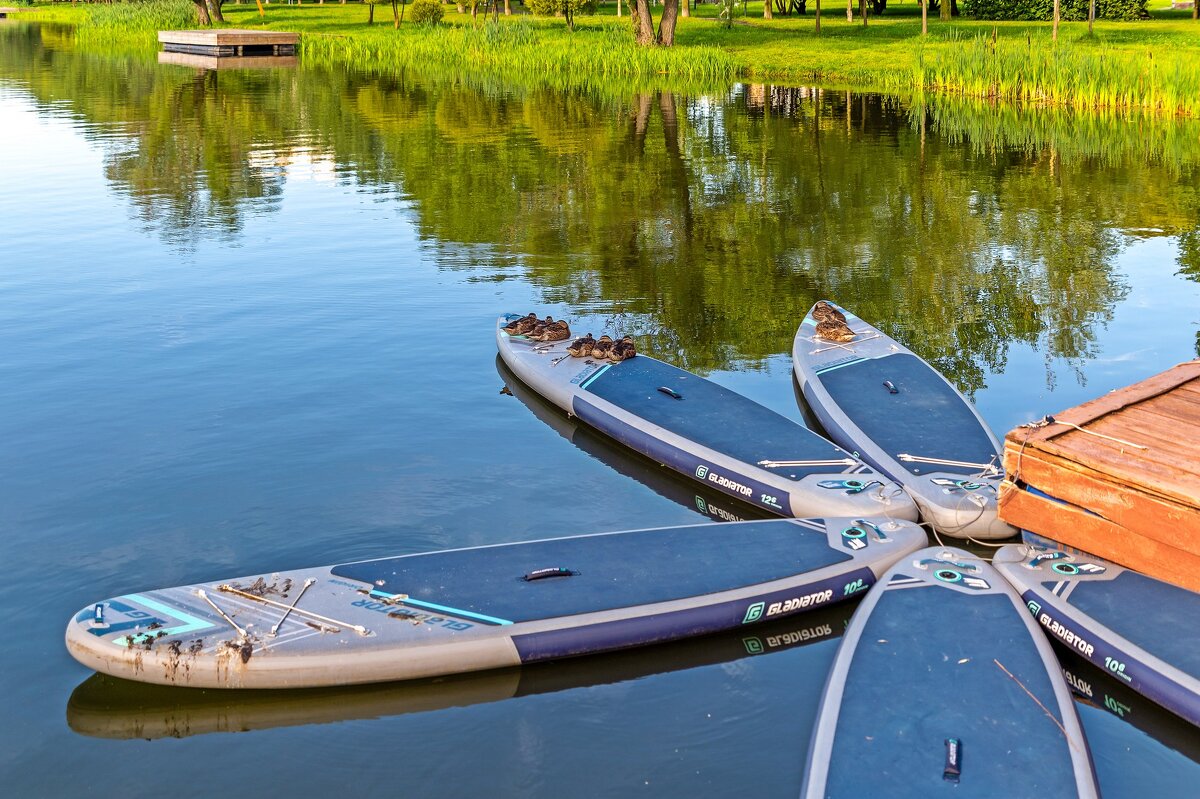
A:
x,y
108,707
664,482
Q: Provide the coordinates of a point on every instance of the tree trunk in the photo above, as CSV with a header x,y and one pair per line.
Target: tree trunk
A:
x,y
1057,13
395,15
507,8
643,23
686,8
767,12
1091,15
370,13
818,29
461,8
618,7
214,10
261,11
944,10
666,23
849,10
202,12
924,17
862,11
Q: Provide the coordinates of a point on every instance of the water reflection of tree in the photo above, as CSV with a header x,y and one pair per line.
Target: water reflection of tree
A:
x,y
708,224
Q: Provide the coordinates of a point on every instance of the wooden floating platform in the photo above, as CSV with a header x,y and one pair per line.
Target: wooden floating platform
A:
x,y
5,11
1127,489
227,62
224,42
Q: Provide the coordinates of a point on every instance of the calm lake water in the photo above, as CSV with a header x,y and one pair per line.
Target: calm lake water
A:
x,y
246,325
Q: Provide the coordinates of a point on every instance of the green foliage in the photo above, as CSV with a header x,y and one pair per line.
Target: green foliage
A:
x,y
1070,10
548,8
427,12
142,15
544,55
1035,70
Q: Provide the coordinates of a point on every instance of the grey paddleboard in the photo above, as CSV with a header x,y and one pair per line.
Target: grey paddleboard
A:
x,y
883,403
705,431
487,607
944,686
1142,632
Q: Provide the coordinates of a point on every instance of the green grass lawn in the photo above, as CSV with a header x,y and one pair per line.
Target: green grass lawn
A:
x,y
1151,65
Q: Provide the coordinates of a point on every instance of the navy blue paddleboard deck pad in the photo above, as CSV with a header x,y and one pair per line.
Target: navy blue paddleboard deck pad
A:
x,y
928,415
457,611
943,686
884,404
706,432
1141,631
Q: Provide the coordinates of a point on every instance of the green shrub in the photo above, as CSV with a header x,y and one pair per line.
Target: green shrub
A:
x,y
428,12
1071,10
548,8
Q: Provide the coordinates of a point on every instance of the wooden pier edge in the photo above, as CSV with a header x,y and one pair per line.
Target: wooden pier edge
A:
x,y
1075,527
1125,487
225,42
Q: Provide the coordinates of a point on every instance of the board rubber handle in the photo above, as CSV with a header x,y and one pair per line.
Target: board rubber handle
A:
x,y
670,392
542,574
891,387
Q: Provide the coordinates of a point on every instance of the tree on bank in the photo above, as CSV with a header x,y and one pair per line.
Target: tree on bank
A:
x,y
208,11
643,23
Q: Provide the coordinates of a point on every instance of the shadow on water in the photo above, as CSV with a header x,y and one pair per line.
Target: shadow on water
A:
x,y
663,481
108,707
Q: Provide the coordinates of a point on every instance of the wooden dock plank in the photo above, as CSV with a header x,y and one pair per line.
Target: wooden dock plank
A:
x,y
1116,400
1152,471
1177,405
228,36
1157,518
1077,528
1136,423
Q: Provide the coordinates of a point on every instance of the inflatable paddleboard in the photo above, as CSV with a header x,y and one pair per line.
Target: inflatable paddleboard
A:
x,y
484,607
107,707
878,400
1141,631
705,431
944,686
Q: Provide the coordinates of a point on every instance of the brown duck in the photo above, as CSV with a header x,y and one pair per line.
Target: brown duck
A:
x,y
521,326
553,331
539,328
602,348
581,347
832,330
622,350
825,312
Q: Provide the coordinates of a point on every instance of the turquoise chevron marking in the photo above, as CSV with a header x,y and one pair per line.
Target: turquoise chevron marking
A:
x,y
190,623
595,374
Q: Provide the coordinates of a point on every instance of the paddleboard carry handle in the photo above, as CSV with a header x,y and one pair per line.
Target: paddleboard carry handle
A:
x,y
891,387
544,574
670,392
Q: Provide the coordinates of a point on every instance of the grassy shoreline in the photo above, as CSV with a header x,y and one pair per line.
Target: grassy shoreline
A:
x,y
1150,67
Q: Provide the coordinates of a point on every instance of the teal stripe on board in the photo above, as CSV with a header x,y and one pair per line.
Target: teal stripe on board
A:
x,y
592,379
840,365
